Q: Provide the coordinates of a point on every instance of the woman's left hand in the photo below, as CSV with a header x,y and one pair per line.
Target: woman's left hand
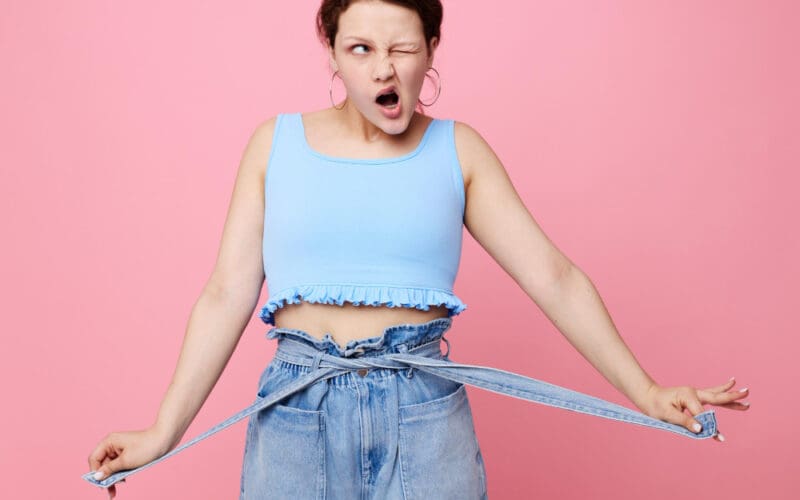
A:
x,y
668,403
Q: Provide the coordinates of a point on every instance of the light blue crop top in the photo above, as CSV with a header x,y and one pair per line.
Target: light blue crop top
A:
x,y
365,231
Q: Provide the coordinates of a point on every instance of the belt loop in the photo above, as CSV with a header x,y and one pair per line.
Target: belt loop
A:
x,y
402,348
317,359
448,348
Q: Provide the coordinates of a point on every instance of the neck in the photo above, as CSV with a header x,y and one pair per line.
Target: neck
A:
x,y
360,126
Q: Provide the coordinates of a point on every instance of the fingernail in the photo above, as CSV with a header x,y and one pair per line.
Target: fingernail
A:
x,y
731,379
720,436
746,403
743,390
98,475
697,427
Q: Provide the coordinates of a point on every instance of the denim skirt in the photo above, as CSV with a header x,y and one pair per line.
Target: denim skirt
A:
x,y
371,433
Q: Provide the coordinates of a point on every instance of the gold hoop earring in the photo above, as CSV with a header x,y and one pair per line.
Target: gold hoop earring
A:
x,y
438,87
330,90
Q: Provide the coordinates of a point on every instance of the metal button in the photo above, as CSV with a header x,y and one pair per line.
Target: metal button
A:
x,y
363,372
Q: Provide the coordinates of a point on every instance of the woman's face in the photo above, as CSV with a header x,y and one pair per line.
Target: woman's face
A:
x,y
379,46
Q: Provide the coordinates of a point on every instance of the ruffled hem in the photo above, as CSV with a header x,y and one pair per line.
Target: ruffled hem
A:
x,y
418,298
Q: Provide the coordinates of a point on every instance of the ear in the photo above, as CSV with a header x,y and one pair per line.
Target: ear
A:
x,y
332,59
432,50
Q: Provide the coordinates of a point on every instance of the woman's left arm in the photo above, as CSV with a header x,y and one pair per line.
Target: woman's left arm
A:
x,y
498,219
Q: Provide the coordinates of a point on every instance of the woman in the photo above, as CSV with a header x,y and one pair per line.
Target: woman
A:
x,y
363,206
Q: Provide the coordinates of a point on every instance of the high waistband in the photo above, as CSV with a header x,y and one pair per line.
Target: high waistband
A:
x,y
409,335
423,357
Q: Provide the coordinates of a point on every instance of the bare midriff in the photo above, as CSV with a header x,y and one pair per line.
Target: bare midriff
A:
x,y
350,322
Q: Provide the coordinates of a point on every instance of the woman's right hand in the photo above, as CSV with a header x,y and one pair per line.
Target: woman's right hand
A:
x,y
128,450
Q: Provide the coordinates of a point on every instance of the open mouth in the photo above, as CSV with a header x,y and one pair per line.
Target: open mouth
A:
x,y
389,99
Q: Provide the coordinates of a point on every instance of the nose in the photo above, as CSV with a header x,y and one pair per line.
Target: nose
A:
x,y
383,69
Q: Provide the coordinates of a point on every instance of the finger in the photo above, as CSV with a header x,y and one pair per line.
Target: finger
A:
x,y
723,387
722,398
107,460
736,405
98,455
676,416
689,421
694,405
110,467
726,385
112,490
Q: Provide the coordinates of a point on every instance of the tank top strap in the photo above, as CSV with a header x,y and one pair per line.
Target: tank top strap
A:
x,y
290,131
443,147
288,146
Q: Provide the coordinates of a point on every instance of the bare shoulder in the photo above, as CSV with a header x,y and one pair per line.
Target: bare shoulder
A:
x,y
239,271
474,153
496,216
259,146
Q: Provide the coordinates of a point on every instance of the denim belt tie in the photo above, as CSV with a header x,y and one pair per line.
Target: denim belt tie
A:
x,y
426,358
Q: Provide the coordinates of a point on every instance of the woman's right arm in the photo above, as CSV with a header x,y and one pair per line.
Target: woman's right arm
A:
x,y
215,325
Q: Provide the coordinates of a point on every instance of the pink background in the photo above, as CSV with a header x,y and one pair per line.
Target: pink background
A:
x,y
655,142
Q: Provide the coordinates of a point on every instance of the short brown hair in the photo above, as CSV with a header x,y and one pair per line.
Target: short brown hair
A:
x,y
429,11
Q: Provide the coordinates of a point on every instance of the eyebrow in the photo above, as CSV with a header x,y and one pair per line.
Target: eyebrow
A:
x,y
358,38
